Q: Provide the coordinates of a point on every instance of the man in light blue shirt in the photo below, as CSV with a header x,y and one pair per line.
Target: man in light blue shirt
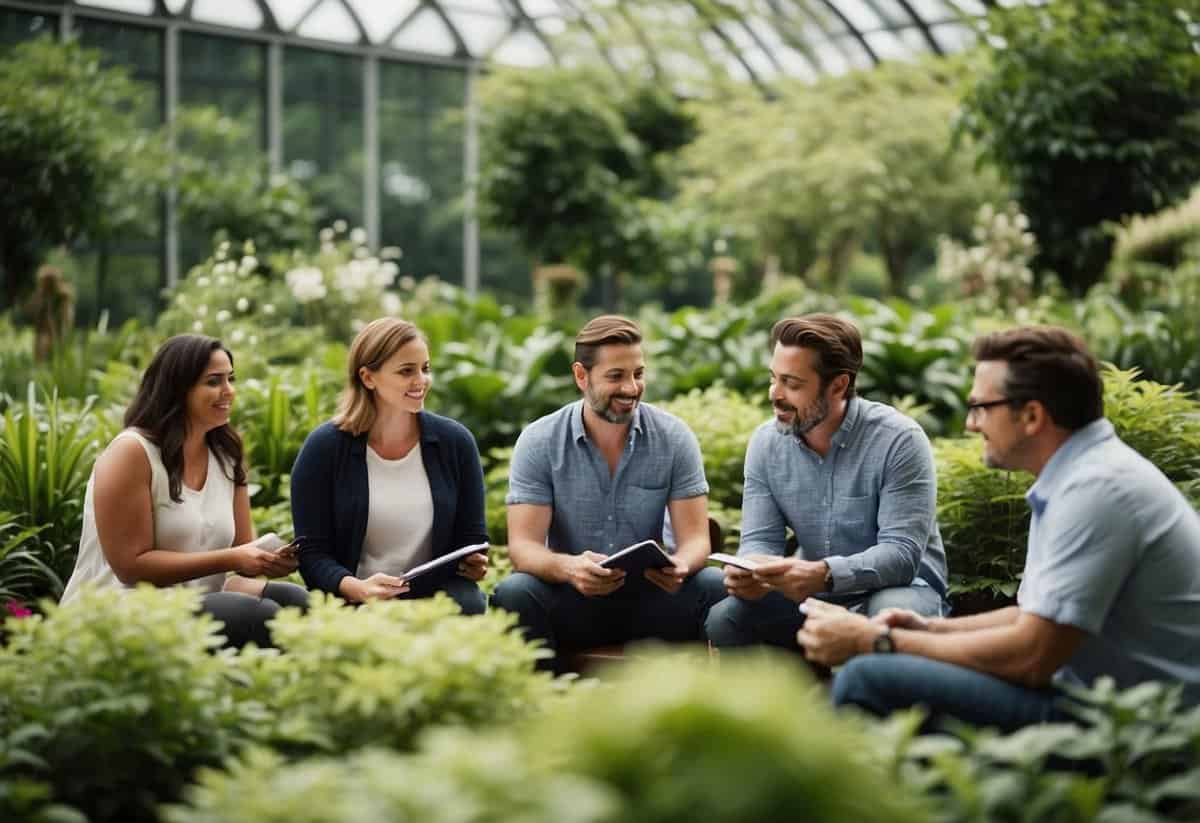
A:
x,y
595,477
1112,578
855,482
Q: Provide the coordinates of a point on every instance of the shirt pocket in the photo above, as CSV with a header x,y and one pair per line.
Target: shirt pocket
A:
x,y
642,509
855,523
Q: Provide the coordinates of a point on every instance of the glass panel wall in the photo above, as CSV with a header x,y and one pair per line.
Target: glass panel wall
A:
x,y
323,130
125,275
229,75
421,167
17,26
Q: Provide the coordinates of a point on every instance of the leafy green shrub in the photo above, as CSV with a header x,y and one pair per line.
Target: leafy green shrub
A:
x,y
1139,747
746,741
46,454
722,421
114,699
76,365
458,777
380,673
27,562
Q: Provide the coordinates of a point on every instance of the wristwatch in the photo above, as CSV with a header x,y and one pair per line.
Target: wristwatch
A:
x,y
883,642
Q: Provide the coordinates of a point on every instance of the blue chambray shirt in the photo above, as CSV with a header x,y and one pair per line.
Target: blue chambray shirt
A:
x,y
556,464
1114,549
868,508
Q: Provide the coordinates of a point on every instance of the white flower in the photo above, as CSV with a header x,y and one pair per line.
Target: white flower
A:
x,y
340,226
223,316
326,235
358,236
391,304
388,272
268,308
408,283
197,326
391,253
328,248
307,284
249,264
253,340
202,311
357,325
203,281
243,305
237,336
361,253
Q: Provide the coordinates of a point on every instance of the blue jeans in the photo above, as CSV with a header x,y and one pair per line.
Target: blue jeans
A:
x,y
463,591
565,620
884,683
774,620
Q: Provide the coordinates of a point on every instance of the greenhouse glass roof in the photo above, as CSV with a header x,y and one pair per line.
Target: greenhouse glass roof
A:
x,y
751,39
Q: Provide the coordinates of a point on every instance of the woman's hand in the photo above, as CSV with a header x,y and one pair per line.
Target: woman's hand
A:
x,y
251,561
378,586
473,566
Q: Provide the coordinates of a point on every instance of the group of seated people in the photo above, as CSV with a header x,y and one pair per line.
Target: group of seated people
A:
x,y
1111,584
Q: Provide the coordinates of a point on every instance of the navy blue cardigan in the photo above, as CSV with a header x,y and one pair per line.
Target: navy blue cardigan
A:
x,y
330,496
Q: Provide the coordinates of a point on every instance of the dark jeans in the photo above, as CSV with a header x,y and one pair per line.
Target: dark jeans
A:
x,y
566,620
774,620
884,683
466,593
245,617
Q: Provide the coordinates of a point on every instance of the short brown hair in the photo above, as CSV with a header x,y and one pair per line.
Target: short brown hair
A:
x,y
372,346
837,343
605,330
1050,365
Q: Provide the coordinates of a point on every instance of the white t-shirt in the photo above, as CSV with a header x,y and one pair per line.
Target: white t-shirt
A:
x,y
203,521
399,515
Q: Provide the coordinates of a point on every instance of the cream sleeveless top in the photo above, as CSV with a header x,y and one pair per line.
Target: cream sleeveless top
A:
x,y
399,515
201,522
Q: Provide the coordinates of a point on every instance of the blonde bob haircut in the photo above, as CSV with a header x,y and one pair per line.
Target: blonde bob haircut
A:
x,y
372,347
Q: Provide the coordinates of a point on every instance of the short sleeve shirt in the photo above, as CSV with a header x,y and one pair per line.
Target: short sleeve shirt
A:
x,y
556,464
1114,549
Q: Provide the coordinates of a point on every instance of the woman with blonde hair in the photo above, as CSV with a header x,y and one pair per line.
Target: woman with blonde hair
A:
x,y
167,501
385,485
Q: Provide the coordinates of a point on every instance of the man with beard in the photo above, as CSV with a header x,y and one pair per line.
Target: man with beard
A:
x,y
855,482
1111,585
592,478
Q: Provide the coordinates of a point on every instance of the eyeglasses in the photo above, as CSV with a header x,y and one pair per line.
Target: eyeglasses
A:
x,y
973,409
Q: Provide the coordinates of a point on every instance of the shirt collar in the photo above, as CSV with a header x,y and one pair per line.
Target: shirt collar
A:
x,y
845,432
1059,465
578,432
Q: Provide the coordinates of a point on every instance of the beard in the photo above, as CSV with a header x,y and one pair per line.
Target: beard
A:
x,y
602,406
803,422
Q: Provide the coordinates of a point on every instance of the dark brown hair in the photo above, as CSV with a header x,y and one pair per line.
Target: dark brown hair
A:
x,y
1049,365
605,330
372,347
160,408
837,343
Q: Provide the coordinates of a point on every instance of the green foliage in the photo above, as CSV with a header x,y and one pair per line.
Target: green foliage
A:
x,y
113,700
577,165
381,673
1161,238
1090,110
46,453
822,168
748,741
459,778
223,189
995,271
27,562
74,158
1133,760
722,421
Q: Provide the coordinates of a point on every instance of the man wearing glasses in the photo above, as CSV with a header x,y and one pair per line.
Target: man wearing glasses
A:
x,y
855,482
1112,577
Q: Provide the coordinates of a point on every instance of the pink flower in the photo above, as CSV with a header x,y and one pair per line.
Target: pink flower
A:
x,y
17,609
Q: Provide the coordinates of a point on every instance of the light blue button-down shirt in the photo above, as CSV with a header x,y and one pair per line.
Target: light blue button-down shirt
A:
x,y
1114,549
556,464
868,508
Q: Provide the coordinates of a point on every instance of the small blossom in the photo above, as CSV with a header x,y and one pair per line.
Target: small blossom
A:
x,y
391,304
237,336
204,281
15,608
307,284
325,235
268,308
340,226
243,305
407,283
202,310
253,340
249,263
391,253
358,236
197,327
223,316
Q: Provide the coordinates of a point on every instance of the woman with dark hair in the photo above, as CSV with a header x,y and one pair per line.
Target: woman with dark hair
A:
x,y
167,501
386,486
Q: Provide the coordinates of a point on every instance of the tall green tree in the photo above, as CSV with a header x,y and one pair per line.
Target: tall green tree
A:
x,y
73,160
867,158
1092,110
